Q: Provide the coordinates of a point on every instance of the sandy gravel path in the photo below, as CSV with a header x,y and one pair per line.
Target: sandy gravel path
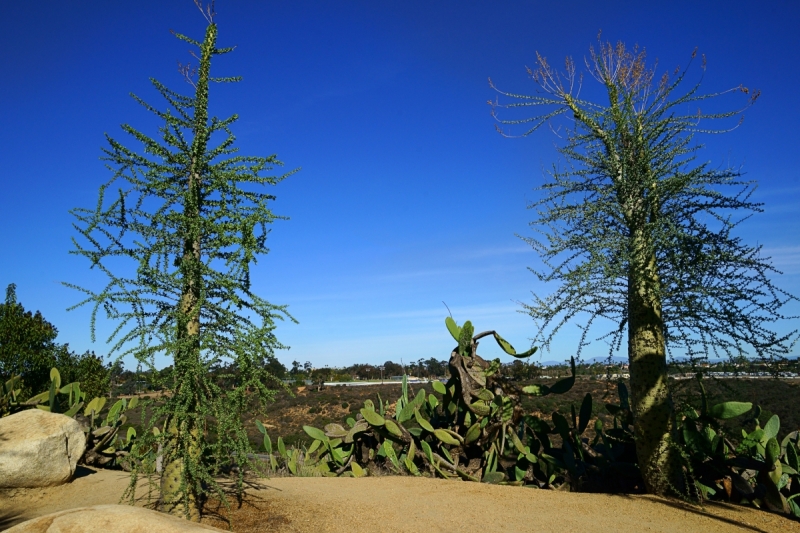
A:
x,y
406,504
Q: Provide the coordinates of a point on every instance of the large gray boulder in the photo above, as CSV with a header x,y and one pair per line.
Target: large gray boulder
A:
x,y
39,449
105,518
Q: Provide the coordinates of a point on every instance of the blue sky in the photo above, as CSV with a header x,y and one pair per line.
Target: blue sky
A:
x,y
407,196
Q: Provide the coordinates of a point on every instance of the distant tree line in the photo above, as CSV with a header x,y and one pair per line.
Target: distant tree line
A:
x,y
28,348
423,368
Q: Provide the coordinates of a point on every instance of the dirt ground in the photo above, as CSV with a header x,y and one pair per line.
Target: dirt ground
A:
x,y
406,504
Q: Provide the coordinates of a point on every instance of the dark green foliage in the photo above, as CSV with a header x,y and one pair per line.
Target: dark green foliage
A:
x,y
26,345
392,369
606,463
10,401
275,367
189,209
88,369
49,400
523,371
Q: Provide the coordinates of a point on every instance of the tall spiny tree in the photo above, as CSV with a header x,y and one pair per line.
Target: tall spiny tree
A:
x,y
189,217
626,238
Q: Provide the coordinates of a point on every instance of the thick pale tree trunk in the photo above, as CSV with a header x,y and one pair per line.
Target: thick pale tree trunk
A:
x,y
172,500
653,409
174,474
187,360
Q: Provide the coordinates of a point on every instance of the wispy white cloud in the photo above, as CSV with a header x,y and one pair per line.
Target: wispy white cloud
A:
x,y
441,312
782,192
446,272
495,251
784,258
295,298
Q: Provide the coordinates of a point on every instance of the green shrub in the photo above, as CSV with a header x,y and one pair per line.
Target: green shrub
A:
x,y
87,369
26,345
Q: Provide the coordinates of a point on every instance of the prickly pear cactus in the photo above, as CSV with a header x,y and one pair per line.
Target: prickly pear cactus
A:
x,y
74,398
760,470
9,391
472,427
104,446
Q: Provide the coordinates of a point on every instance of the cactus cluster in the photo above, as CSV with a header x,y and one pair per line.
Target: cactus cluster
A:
x,y
473,427
9,392
760,470
103,445
607,462
49,401
46,401
296,461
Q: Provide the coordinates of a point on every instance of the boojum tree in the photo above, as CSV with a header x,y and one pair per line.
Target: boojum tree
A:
x,y
627,241
188,221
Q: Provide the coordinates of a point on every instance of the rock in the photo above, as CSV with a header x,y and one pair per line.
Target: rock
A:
x,y
39,449
105,518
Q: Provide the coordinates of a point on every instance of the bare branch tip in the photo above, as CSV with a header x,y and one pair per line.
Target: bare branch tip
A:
x,y
208,13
